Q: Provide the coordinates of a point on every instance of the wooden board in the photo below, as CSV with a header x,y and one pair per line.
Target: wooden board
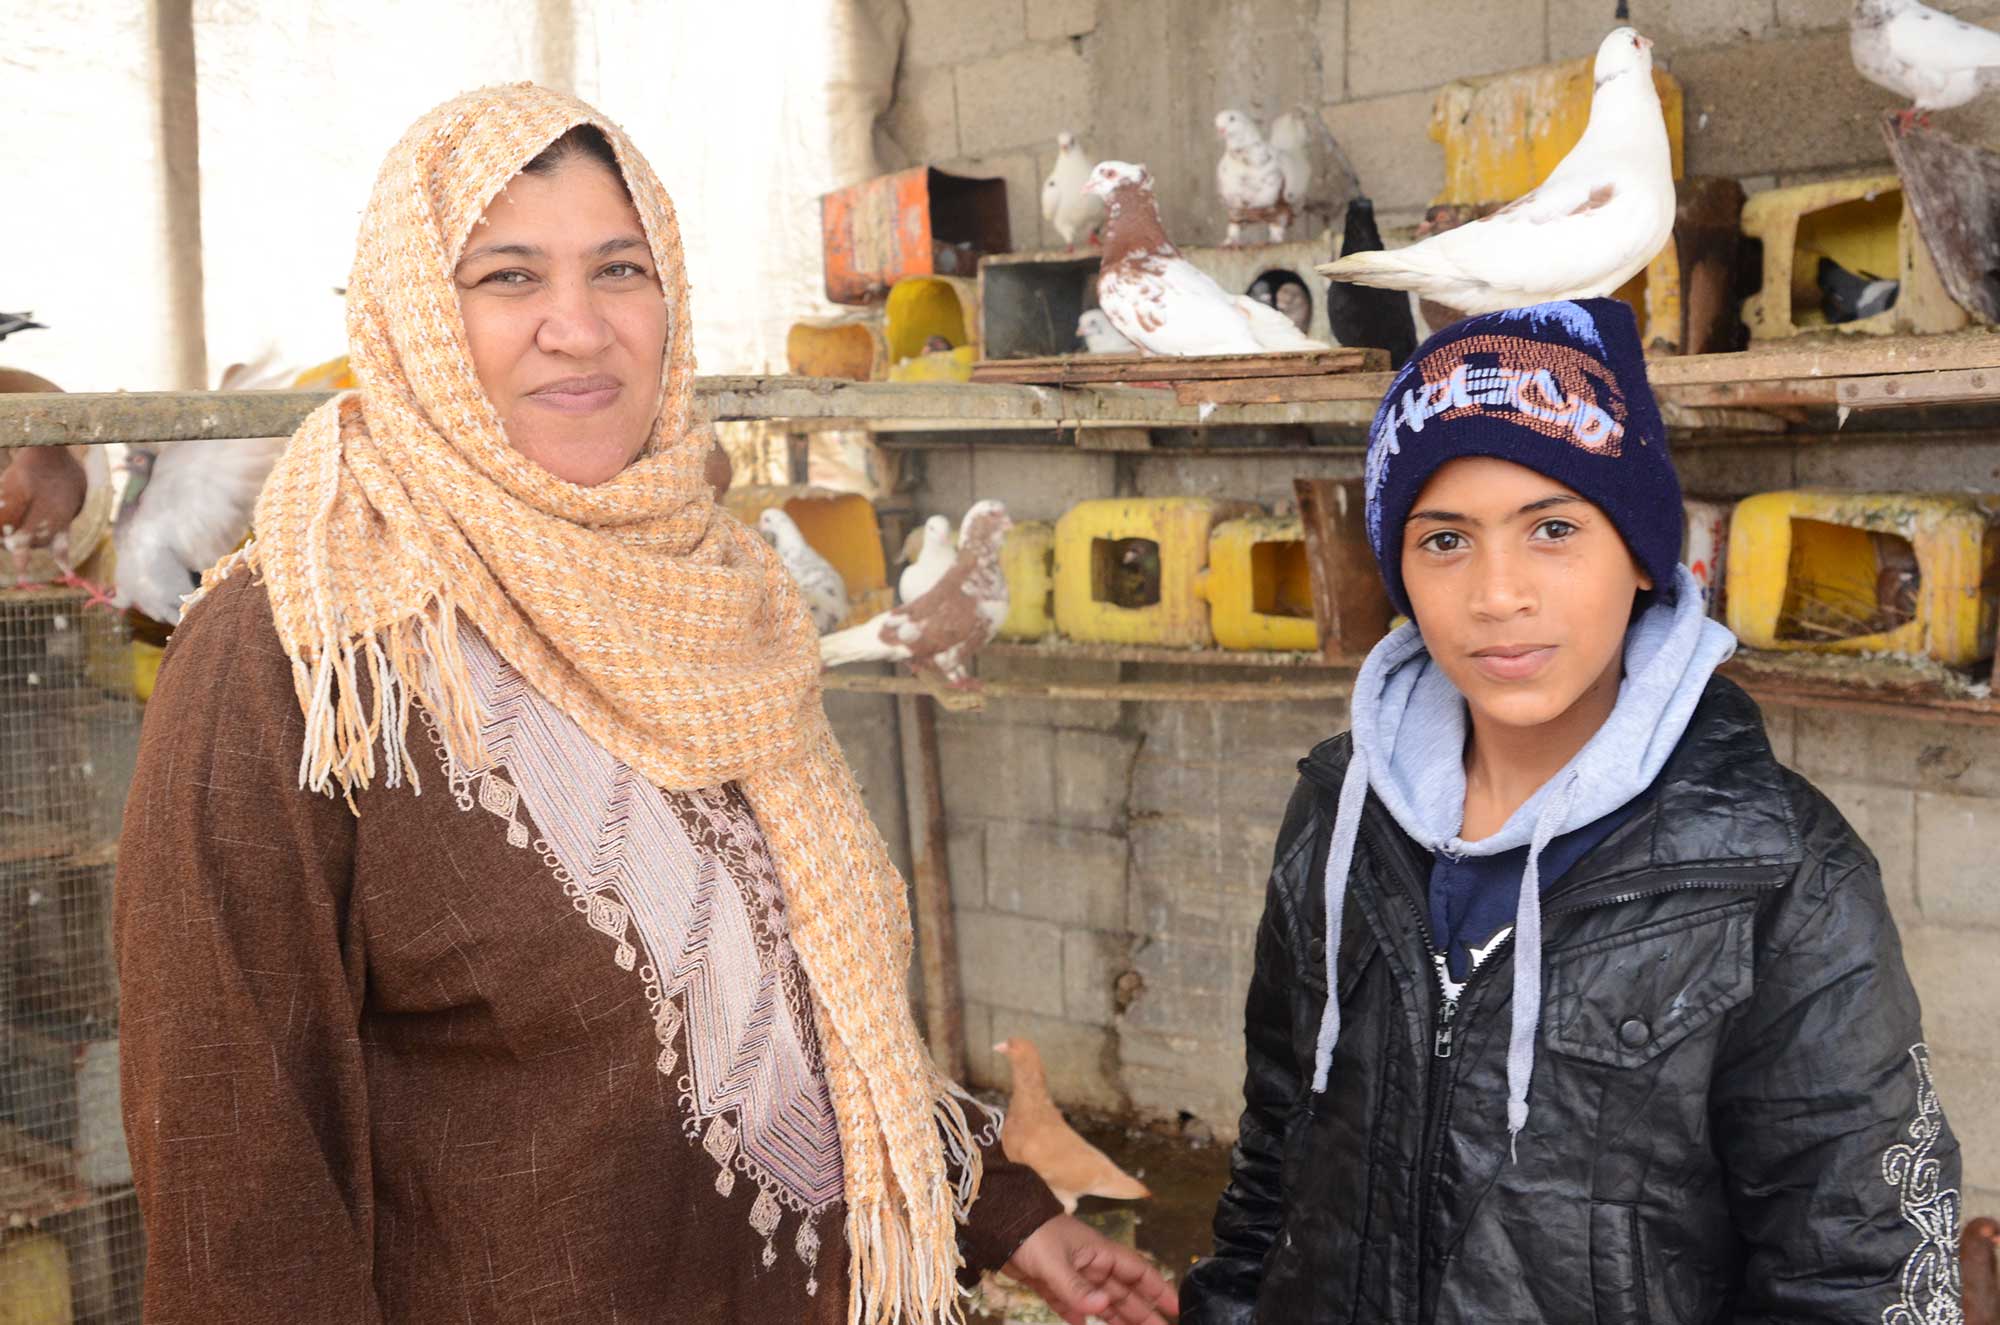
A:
x,y
1080,369
1350,604
1953,190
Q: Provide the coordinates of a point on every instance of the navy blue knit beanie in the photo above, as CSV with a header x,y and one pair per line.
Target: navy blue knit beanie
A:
x,y
1559,388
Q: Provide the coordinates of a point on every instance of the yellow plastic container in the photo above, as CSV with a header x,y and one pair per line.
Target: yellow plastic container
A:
x,y
1866,226
34,1280
920,307
1259,585
840,526
1028,560
1126,569
1848,572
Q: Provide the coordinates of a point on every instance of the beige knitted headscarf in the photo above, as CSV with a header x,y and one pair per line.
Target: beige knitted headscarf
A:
x,y
665,629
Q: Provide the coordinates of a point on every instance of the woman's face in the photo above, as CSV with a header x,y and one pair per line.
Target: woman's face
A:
x,y
567,325
1523,590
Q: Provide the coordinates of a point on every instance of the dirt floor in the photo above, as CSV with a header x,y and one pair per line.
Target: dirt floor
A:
x,y
1186,1173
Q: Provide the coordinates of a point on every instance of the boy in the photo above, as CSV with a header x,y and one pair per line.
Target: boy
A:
x,y
1621,1030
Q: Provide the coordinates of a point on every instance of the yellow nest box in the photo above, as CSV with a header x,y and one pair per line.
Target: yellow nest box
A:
x,y
1127,569
1259,586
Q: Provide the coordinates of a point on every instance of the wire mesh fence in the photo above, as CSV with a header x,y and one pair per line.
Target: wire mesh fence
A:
x,y
70,1241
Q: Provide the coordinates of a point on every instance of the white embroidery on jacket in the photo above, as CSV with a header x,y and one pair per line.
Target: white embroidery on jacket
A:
x,y
1930,1288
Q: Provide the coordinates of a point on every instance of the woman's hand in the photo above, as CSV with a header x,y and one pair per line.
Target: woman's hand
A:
x,y
1079,1272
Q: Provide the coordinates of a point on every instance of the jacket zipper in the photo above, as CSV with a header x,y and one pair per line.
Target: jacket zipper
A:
x,y
1438,1086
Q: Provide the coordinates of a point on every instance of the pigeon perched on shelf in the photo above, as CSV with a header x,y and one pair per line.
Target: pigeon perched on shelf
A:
x,y
1592,225
936,551
1935,60
1100,337
1847,297
1251,179
1358,315
1159,300
954,619
1065,205
824,591
1036,1134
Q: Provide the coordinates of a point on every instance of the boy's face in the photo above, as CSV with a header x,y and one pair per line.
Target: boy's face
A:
x,y
1523,590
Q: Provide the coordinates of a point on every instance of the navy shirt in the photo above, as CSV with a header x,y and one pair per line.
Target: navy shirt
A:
x,y
1474,897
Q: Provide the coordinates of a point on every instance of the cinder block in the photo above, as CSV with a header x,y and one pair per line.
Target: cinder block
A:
x,y
1163,784
946,31
965,857
1093,778
1167,1075
1396,45
1191,987
1858,465
923,119
944,483
1081,1061
1330,30
1781,726
1023,97
1969,1088
1958,843
1830,117
865,727
979,1056
1737,471
1051,19
1675,26
1901,752
1009,962
1092,962
971,753
1388,140
1044,484
1887,820
1073,876
1952,968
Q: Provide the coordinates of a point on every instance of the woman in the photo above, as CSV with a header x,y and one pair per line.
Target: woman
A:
x,y
610,1025
1570,1003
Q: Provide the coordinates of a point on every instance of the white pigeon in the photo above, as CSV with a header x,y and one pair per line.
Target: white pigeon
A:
x,y
186,506
944,627
1250,178
1291,144
1099,336
934,557
1935,60
1592,225
820,584
1159,300
1064,203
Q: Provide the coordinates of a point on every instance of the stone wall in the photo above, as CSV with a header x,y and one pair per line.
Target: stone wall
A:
x,y
1096,841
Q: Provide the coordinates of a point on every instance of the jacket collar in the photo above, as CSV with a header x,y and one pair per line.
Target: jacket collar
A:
x,y
1718,808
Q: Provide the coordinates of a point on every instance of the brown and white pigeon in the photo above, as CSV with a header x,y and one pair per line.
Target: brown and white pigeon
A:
x,y
1592,225
954,619
1036,1134
1065,205
1159,300
1251,179
824,590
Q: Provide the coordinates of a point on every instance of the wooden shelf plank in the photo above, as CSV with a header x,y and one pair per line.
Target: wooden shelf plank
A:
x,y
1079,369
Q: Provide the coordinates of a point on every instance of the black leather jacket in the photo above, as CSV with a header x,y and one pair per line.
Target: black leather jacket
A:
x,y
1732,1110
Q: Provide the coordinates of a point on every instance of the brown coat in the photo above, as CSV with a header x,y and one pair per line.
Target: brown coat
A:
x,y
421,1064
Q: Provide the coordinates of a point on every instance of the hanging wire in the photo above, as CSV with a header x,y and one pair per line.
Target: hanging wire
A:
x,y
1624,12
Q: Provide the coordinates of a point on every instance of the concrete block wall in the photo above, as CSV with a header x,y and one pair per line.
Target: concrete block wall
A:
x,y
1109,860
984,89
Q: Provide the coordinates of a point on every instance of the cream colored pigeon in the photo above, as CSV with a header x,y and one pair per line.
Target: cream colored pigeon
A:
x,y
825,592
1935,60
935,554
1065,205
1592,225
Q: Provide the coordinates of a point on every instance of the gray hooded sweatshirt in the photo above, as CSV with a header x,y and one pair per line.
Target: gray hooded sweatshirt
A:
x,y
1410,726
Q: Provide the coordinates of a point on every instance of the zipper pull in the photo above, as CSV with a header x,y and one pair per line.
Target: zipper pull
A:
x,y
1446,1015
1448,992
